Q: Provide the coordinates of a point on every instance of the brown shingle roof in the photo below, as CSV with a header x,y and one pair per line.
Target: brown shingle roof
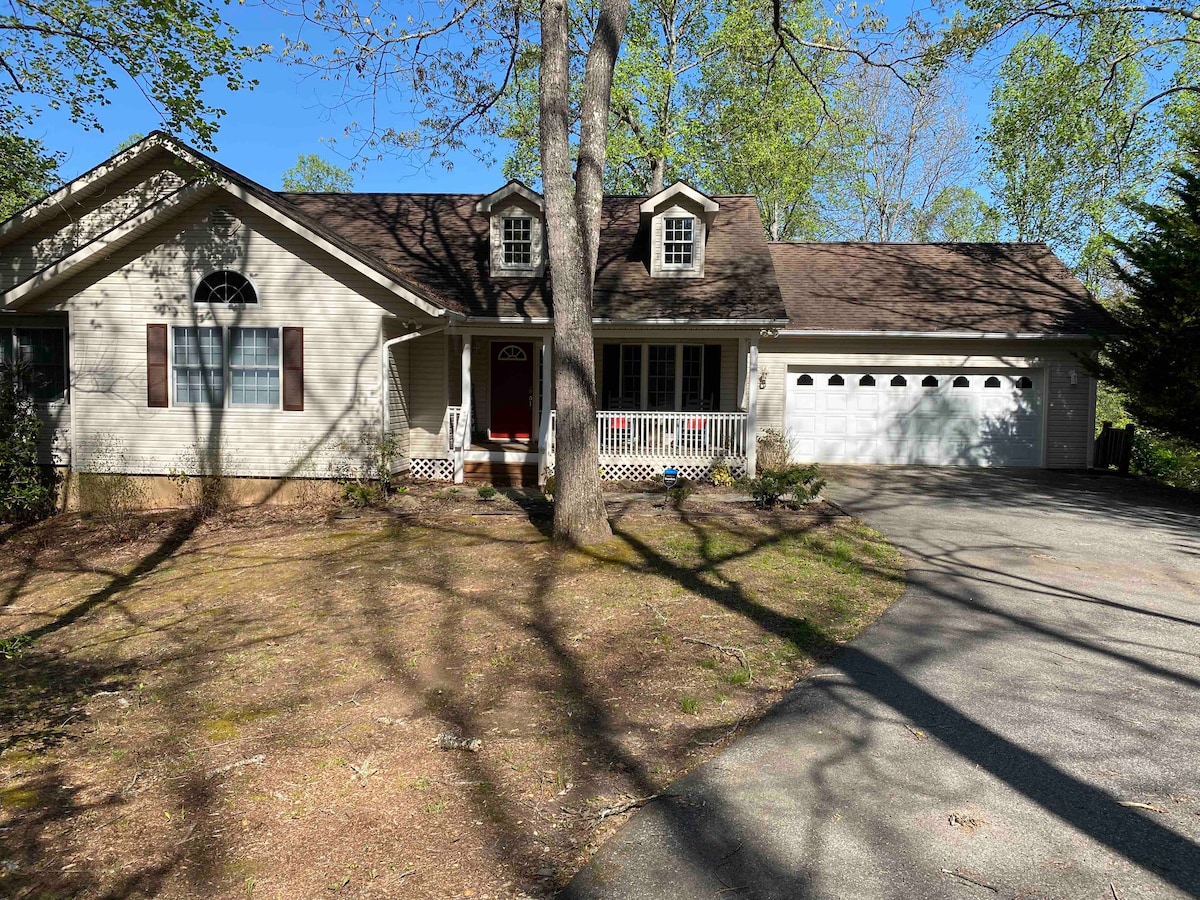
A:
x,y
440,241
989,288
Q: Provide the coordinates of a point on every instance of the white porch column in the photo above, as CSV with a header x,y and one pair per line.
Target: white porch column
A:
x,y
547,364
463,439
752,409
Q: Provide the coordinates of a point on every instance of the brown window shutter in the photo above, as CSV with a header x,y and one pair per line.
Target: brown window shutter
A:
x,y
157,375
293,369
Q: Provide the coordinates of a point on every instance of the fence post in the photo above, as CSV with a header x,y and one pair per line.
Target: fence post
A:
x,y
1126,449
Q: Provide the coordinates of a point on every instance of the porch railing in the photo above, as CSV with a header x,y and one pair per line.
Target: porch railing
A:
x,y
453,416
671,435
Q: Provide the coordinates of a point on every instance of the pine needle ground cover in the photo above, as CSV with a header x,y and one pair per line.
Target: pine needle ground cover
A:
x,y
276,704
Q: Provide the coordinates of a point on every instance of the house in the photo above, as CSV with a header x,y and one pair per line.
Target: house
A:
x,y
174,312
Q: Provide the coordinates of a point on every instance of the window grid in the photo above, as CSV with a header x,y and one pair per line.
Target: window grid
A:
x,y
199,364
631,376
660,381
677,242
225,286
518,241
254,367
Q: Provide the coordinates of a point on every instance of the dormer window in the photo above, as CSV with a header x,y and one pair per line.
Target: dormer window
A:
x,y
678,242
679,222
516,236
518,242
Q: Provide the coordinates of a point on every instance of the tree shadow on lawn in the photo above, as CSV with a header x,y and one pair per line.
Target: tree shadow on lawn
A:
x,y
604,739
713,849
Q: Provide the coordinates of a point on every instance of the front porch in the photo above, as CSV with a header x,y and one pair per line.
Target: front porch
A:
x,y
502,427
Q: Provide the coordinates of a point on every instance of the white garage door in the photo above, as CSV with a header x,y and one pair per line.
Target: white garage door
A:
x,y
968,418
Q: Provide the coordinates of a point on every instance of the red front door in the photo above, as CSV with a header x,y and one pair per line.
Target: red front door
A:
x,y
512,391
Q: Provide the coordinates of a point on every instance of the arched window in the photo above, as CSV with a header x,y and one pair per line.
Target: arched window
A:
x,y
1024,383
928,381
867,381
224,286
804,381
899,381
992,382
962,381
511,353
836,380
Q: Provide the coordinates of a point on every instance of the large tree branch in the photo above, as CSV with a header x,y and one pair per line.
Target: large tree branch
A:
x,y
593,126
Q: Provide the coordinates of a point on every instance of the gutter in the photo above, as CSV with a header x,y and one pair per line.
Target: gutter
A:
x,y
955,335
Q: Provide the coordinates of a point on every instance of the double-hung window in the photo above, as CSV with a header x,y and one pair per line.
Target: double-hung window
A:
x,y
660,380
199,366
254,367
630,389
41,357
692,394
518,241
678,246
202,367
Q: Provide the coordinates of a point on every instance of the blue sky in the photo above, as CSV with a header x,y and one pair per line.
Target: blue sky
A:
x,y
267,128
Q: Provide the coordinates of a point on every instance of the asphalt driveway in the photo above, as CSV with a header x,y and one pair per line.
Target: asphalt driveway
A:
x,y
1024,722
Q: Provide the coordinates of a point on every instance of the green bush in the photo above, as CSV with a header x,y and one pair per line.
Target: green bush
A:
x,y
360,494
791,484
1167,460
681,491
26,488
549,487
486,492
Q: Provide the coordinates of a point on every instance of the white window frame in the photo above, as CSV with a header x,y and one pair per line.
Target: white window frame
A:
x,y
673,244
226,369
277,368
506,241
219,305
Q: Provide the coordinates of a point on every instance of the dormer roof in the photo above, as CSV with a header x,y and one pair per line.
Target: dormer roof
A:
x,y
667,195
514,187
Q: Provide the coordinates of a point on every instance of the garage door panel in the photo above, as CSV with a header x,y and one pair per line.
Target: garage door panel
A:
x,y
964,424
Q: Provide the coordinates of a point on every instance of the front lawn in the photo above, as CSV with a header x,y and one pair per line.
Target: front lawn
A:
x,y
248,706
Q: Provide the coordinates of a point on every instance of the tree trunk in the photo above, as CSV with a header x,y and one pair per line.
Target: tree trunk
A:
x,y
658,172
573,234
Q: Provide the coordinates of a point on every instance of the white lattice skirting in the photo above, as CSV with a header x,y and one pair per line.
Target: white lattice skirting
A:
x,y
634,470
432,470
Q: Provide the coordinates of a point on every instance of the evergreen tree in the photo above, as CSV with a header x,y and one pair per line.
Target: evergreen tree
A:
x,y
1153,355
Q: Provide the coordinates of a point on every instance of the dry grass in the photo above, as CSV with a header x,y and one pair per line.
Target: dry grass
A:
x,y
337,652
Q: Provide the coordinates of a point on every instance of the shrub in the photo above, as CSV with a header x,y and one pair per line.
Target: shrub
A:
x,y
1167,460
26,488
722,476
486,492
773,450
549,486
681,491
102,486
792,484
360,495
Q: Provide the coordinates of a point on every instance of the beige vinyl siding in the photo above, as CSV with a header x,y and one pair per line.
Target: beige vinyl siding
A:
x,y
427,360
82,220
398,393
151,281
54,440
1070,420
1066,412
